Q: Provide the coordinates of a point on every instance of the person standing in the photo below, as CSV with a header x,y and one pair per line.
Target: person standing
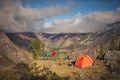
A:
x,y
54,53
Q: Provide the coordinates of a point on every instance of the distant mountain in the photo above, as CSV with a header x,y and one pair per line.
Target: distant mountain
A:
x,y
64,40
22,39
81,42
106,36
77,42
14,47
11,53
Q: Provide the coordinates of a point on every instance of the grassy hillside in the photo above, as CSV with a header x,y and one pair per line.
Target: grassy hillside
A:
x,y
62,68
57,70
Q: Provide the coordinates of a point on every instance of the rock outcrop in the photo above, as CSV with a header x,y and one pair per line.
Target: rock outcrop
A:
x,y
112,60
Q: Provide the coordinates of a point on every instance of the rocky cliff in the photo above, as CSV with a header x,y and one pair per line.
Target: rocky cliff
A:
x,y
22,39
11,53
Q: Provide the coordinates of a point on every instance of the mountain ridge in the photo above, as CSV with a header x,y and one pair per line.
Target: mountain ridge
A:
x,y
11,53
71,43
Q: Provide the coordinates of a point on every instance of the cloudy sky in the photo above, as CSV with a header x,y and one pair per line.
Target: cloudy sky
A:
x,y
58,16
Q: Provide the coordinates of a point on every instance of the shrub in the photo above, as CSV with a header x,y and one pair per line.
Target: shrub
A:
x,y
60,63
113,44
8,75
69,64
27,73
101,52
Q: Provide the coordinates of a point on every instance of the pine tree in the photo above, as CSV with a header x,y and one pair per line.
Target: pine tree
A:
x,y
113,44
37,47
101,52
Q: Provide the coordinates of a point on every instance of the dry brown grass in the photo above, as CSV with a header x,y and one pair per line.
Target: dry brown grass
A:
x,y
60,67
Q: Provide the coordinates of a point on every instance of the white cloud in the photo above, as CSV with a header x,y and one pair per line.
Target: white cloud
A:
x,y
92,22
16,18
118,8
78,14
47,25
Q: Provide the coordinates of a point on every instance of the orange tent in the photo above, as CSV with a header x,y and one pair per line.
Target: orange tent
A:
x,y
84,61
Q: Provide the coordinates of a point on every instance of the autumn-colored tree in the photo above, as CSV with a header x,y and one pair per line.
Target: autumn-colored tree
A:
x,y
37,47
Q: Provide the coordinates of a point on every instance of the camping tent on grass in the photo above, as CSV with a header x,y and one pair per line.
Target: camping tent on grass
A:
x,y
84,61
